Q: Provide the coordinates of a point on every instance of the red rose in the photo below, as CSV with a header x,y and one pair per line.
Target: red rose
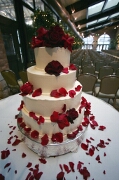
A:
x,y
41,33
58,137
34,134
68,41
54,36
27,88
36,42
54,67
44,140
72,115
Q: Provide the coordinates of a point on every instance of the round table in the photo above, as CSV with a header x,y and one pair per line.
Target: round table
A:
x,y
21,161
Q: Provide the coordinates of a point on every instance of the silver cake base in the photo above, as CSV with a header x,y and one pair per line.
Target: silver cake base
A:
x,y
54,149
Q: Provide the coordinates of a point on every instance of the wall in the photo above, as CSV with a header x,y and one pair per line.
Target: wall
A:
x,y
4,91
3,58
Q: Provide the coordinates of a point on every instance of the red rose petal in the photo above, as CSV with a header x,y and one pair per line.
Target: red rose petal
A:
x,y
14,150
84,146
2,177
55,93
9,169
104,154
61,167
65,70
64,108
66,168
94,123
5,154
38,175
88,141
91,151
23,155
92,138
32,114
78,88
104,172
102,128
22,124
71,164
60,175
79,165
80,128
40,120
97,158
72,67
85,173
63,92
37,92
27,129
44,140
37,166
34,134
43,161
7,165
29,165
19,120
72,93
16,142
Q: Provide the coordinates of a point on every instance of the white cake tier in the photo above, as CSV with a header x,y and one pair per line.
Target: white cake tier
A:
x,y
45,55
49,127
40,79
44,105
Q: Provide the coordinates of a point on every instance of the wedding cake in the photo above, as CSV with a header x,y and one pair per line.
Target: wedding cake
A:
x,y
52,110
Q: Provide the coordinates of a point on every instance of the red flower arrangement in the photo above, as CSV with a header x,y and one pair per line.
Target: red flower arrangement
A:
x,y
27,88
54,67
54,37
72,114
64,119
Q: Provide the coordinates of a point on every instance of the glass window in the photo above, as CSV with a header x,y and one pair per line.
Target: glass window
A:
x,y
88,41
7,9
103,42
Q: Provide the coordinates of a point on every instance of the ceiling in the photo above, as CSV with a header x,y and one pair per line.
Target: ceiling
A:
x,y
91,15
84,16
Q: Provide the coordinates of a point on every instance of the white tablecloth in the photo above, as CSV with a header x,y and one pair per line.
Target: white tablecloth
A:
x,y
107,169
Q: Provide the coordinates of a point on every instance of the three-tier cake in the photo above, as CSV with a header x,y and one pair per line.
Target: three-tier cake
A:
x,y
51,110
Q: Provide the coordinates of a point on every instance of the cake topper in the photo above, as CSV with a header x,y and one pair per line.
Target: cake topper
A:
x,y
54,37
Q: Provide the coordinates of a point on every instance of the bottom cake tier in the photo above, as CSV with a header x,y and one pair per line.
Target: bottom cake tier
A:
x,y
54,149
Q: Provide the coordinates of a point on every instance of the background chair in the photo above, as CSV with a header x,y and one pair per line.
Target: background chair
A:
x,y
105,71
88,69
23,76
85,63
117,72
114,65
11,80
88,82
98,65
108,88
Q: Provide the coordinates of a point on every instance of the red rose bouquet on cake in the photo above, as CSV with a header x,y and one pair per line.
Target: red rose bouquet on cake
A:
x,y
54,37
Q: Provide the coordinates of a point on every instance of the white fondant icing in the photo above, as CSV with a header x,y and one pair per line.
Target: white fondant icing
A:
x,y
49,127
47,82
45,104
45,55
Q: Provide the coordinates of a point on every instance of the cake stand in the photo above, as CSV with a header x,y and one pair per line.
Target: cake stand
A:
x,y
53,149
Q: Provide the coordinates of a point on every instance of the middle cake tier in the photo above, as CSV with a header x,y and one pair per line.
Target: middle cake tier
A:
x,y
44,104
40,79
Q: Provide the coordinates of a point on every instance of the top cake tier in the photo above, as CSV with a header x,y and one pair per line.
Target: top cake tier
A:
x,y
45,55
